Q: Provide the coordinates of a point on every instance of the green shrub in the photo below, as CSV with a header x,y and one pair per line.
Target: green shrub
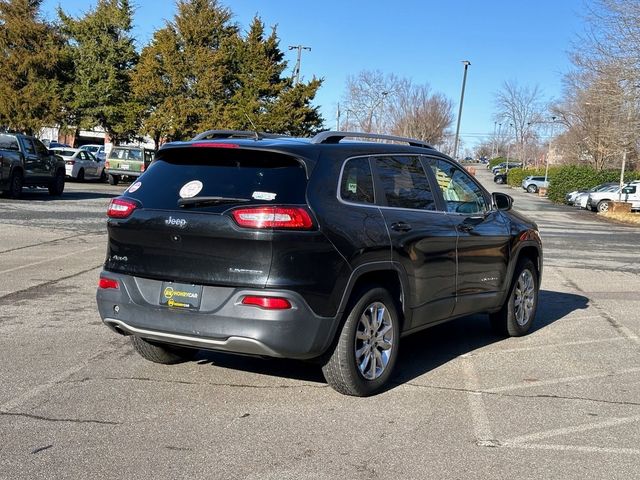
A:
x,y
568,178
495,161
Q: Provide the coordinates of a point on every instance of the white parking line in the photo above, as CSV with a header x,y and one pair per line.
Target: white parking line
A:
x,y
556,432
38,389
53,259
575,448
554,381
479,419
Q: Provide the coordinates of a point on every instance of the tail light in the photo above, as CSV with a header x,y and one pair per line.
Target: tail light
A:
x,y
106,283
70,162
121,208
142,167
106,164
290,218
267,303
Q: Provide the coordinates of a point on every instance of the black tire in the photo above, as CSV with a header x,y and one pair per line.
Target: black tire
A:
x,y
113,179
506,321
160,353
80,177
56,187
532,189
15,185
499,180
341,370
603,206
103,176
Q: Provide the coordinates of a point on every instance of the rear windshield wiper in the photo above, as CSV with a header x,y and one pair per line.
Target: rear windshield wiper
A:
x,y
202,201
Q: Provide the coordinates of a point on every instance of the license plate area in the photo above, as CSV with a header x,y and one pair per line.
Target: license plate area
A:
x,y
183,296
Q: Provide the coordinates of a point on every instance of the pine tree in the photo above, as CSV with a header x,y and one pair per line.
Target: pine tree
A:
x,y
199,73
183,74
33,70
104,56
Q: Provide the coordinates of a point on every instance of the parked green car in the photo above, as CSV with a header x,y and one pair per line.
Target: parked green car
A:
x,y
127,162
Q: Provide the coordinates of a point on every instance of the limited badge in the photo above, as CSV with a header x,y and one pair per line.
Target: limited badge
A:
x,y
264,196
134,187
191,189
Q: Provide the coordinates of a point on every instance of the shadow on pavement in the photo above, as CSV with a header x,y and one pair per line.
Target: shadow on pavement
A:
x,y
42,194
419,353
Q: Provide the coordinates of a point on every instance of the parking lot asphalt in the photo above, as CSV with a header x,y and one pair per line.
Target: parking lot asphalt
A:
x,y
77,402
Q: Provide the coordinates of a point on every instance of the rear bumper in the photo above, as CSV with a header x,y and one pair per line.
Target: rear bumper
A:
x,y
123,173
221,322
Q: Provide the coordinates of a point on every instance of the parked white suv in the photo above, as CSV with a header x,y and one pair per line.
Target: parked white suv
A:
x,y
630,193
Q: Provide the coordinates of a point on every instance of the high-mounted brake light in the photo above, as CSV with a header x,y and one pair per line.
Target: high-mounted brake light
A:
x,y
267,303
106,283
215,145
120,208
273,217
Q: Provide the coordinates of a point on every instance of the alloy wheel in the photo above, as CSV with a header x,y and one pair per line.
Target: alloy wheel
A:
x,y
373,341
524,297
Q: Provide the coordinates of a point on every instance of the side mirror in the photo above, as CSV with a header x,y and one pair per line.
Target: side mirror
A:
x,y
502,201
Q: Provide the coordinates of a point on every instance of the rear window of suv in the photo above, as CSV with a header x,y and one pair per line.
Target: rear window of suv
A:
x,y
258,177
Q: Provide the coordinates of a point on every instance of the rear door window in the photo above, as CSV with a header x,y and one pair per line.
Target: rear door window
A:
x,y
404,183
242,177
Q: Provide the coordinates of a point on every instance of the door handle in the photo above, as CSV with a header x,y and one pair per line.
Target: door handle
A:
x,y
400,227
465,227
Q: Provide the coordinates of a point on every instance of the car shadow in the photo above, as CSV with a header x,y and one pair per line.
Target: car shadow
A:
x,y
42,194
420,353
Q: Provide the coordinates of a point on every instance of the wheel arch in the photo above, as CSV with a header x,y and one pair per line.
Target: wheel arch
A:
x,y
388,275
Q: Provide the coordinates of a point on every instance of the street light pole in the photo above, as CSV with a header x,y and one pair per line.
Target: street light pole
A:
x,y
466,64
493,147
546,170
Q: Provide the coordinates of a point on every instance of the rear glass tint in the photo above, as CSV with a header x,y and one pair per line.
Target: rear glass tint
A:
x,y
9,142
126,154
258,177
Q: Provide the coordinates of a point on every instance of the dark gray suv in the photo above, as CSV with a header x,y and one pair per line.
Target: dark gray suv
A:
x,y
319,249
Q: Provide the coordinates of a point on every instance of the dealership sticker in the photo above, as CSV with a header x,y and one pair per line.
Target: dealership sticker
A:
x,y
264,196
134,187
190,189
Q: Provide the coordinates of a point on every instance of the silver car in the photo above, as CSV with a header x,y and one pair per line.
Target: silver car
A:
x,y
532,184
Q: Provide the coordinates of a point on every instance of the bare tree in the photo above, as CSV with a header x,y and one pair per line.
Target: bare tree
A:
x,y
380,103
519,108
417,113
365,99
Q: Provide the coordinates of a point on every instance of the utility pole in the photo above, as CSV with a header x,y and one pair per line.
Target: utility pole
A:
x,y
338,118
493,147
466,64
296,70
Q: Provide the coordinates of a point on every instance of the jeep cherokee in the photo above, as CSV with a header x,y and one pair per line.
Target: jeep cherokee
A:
x,y
318,248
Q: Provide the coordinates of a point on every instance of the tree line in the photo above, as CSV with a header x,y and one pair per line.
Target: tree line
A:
x,y
595,121
198,72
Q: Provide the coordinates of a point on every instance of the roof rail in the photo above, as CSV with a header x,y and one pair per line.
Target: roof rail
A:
x,y
215,134
335,137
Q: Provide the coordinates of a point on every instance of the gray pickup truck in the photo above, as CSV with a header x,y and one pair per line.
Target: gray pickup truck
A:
x,y
25,161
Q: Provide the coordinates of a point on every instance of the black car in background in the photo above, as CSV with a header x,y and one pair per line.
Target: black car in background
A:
x,y
318,249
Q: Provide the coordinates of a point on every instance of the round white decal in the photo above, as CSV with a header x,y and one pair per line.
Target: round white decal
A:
x,y
190,189
135,187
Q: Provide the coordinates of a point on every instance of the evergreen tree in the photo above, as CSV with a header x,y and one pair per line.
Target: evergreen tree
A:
x,y
104,56
33,70
199,73
183,74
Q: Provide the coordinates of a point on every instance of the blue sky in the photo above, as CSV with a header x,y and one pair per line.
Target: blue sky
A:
x,y
425,41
